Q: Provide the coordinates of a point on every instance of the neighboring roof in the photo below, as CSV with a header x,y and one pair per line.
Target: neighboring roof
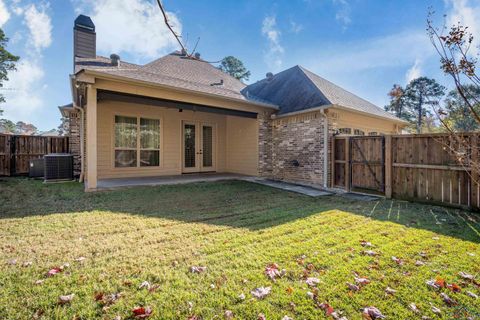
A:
x,y
297,89
50,133
174,70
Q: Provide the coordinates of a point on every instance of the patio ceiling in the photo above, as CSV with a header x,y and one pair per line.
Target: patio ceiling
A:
x,y
106,95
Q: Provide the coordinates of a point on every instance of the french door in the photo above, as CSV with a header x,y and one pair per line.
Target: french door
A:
x,y
198,146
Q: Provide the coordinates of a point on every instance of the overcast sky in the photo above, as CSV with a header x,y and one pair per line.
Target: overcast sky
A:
x,y
364,46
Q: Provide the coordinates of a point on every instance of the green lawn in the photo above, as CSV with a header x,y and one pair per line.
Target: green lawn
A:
x,y
235,229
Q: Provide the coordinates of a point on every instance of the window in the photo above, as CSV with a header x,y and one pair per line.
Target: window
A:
x,y
137,142
149,142
125,142
358,132
373,133
345,131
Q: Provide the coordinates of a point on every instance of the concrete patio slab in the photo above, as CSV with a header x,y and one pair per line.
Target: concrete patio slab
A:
x,y
107,184
111,184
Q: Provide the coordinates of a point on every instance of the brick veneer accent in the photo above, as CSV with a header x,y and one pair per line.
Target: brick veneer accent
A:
x,y
265,145
74,140
292,149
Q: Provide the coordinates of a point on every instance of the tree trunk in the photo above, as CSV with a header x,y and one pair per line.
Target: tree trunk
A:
x,y
420,112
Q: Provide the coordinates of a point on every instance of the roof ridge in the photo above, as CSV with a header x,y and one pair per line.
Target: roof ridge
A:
x,y
306,71
177,53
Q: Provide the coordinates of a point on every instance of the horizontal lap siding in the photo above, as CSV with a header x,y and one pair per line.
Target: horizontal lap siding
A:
x,y
171,146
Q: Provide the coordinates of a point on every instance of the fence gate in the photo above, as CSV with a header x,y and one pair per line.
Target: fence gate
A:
x,y
367,163
359,163
17,151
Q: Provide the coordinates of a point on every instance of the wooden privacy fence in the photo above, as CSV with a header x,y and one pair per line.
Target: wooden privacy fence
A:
x,y
411,167
17,151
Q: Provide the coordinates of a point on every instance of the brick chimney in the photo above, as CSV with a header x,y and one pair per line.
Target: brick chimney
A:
x,y
84,38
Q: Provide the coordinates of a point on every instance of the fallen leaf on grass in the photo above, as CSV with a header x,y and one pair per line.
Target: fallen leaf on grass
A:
x,y
38,314
440,282
12,262
419,263
391,291
261,316
364,243
370,253
372,313
454,287
142,312
272,271
287,318
397,261
432,284
413,307
436,310
66,299
261,292
312,282
27,264
80,259
352,286
449,301
241,296
327,308
53,272
471,294
466,276
106,299
228,314
197,269
362,281
289,290
39,282
145,284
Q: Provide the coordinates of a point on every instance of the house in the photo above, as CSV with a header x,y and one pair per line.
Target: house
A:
x,y
179,115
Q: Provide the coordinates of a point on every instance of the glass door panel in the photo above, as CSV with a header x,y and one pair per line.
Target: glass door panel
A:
x,y
189,144
207,146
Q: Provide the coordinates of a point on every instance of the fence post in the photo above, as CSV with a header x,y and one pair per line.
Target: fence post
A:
x,y
474,172
347,164
388,166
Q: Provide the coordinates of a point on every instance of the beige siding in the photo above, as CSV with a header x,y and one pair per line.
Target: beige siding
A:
x,y
347,119
171,138
242,145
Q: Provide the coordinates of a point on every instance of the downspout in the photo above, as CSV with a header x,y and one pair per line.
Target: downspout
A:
x,y
325,148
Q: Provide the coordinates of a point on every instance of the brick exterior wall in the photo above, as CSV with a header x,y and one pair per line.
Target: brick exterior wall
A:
x,y
74,140
265,142
296,150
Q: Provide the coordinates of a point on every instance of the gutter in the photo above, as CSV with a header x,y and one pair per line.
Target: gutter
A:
x,y
173,88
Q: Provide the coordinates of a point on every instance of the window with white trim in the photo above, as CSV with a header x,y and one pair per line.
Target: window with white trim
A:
x,y
137,142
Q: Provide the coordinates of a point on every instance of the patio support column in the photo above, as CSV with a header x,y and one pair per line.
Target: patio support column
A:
x,y
91,132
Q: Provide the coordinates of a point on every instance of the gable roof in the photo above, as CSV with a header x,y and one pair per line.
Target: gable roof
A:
x,y
174,70
297,89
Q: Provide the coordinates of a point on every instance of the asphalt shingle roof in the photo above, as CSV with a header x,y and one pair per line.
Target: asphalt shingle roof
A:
x,y
292,90
297,89
174,70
